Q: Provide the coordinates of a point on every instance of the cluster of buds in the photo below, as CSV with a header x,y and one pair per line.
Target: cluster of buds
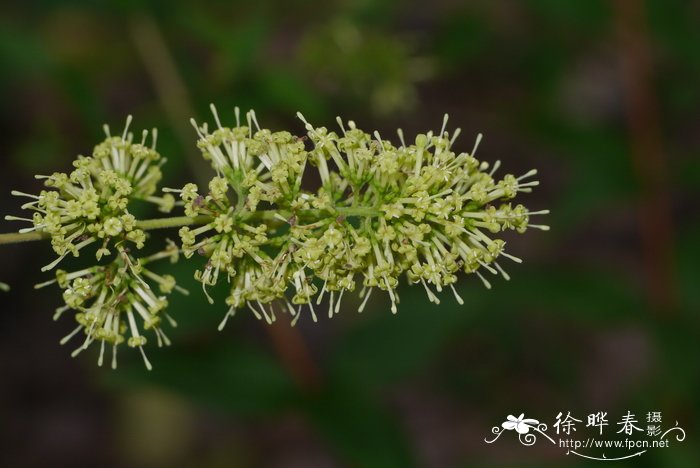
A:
x,y
419,211
114,302
90,204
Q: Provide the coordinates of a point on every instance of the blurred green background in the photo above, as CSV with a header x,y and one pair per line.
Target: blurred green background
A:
x,y
603,97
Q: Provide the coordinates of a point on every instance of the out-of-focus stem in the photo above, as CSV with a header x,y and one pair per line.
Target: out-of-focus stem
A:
x,y
169,86
647,153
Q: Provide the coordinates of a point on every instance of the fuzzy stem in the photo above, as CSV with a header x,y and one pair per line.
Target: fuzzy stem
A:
x,y
179,221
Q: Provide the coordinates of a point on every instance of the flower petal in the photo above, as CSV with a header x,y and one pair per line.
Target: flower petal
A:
x,y
509,425
522,428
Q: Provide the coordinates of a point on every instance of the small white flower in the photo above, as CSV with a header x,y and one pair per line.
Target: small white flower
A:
x,y
520,424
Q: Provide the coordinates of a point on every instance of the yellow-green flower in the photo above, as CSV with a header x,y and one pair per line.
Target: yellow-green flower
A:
x,y
90,204
383,211
117,303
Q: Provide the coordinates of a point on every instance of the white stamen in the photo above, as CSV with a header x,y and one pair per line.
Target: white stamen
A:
x,y
483,280
196,128
379,140
444,124
476,144
231,312
43,285
102,353
145,359
364,302
512,257
340,123
458,132
67,338
399,132
330,308
529,173
255,119
216,114
337,304
171,320
53,264
457,296
114,356
506,276
255,312
126,127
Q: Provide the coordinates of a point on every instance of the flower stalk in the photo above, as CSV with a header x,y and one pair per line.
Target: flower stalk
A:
x,y
17,237
179,221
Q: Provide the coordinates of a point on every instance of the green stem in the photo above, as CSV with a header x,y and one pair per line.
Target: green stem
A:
x,y
16,238
146,225
178,221
347,211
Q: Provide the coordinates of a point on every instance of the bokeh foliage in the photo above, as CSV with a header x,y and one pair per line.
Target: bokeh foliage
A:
x,y
573,330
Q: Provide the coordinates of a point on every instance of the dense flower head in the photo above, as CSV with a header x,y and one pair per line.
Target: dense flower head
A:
x,y
384,212
90,205
420,211
118,302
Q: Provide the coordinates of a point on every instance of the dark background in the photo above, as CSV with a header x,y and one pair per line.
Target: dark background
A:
x,y
603,97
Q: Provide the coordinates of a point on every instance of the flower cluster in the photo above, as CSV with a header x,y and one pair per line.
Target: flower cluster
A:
x,y
90,204
382,211
114,302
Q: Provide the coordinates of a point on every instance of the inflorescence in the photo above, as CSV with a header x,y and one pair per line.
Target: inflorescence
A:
x,y
381,212
90,205
112,300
